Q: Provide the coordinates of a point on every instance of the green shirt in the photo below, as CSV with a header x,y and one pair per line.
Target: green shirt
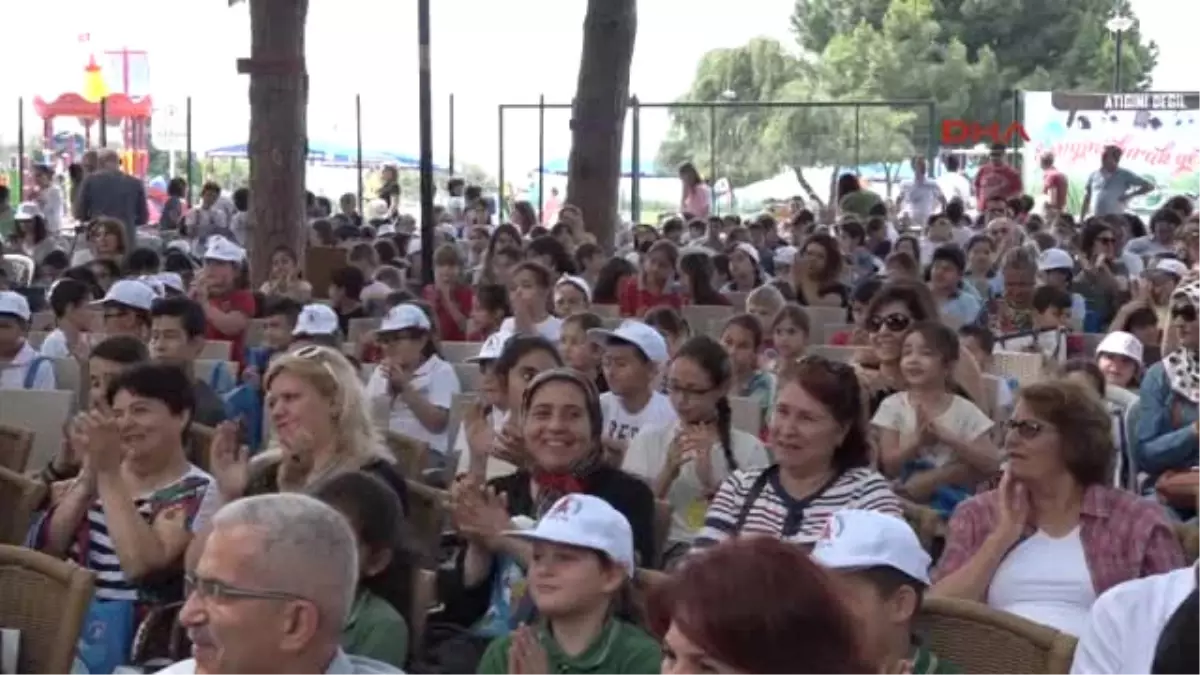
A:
x,y
376,630
8,221
860,202
620,648
925,661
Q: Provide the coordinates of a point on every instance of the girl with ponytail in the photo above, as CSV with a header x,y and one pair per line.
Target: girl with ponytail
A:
x,y
686,460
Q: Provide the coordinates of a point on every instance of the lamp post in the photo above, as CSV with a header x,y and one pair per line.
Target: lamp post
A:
x,y
1118,25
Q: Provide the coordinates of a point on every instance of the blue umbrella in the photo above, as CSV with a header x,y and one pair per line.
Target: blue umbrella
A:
x,y
331,153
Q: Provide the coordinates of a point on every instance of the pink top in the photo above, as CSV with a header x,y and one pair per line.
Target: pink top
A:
x,y
698,201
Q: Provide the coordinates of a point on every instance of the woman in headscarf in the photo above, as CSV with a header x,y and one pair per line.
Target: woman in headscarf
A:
x,y
560,422
1168,426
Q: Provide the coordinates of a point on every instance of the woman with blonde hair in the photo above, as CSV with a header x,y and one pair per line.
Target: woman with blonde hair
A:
x,y
321,425
107,240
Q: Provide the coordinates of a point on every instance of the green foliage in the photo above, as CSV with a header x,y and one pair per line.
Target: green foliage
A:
x,y
967,56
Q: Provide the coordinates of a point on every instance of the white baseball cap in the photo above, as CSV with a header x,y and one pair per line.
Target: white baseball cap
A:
x,y
1055,259
14,304
1122,344
577,282
404,316
491,348
1172,266
171,280
587,522
27,211
316,319
153,282
220,248
180,245
785,255
855,539
748,250
637,333
132,293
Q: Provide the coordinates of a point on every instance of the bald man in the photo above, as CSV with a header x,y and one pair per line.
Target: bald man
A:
x,y
271,589
110,192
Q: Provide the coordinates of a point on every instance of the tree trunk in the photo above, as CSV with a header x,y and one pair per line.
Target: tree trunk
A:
x,y
803,181
278,131
598,115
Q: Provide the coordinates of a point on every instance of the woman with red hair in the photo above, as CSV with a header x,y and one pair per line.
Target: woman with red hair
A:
x,y
754,605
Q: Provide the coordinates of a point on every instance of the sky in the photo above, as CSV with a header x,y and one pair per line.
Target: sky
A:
x,y
484,52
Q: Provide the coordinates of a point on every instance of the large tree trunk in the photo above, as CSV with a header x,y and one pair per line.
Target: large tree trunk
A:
x,y
278,131
598,115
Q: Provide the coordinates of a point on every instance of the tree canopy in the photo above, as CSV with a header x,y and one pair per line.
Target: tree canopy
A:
x,y
966,56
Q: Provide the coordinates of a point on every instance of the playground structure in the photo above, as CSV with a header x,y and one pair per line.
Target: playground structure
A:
x,y
95,107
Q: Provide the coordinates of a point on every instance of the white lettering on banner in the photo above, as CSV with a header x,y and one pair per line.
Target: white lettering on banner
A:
x,y
1171,101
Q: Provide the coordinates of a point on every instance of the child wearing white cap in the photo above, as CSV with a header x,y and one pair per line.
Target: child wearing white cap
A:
x,y
21,366
883,572
572,295
316,324
126,308
1119,356
579,574
227,308
413,381
633,354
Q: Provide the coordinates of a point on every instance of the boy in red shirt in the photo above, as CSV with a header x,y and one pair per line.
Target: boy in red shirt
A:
x,y
448,296
654,285
227,309
996,179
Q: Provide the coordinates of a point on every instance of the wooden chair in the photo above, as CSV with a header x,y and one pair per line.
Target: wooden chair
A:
x,y
409,453
980,639
426,512
925,522
663,513
16,444
424,599
71,375
737,301
469,376
20,496
199,439
459,352
1189,539
699,316
43,413
821,316
46,599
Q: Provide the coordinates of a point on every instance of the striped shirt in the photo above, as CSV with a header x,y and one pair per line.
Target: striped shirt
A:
x,y
192,491
776,513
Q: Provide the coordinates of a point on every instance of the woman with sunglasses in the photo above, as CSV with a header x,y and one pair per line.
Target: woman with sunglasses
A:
x,y
822,463
1167,427
888,316
106,241
1054,535
1103,280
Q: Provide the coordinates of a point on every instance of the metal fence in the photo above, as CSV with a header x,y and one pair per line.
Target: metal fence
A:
x,y
739,141
171,131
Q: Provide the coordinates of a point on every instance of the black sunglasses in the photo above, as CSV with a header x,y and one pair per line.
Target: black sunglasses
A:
x,y
896,323
1026,429
1185,312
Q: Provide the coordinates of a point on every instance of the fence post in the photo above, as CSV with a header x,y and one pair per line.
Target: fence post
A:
x,y
635,162
500,173
358,154
451,167
541,155
932,145
1019,155
20,149
857,139
104,122
187,133
712,149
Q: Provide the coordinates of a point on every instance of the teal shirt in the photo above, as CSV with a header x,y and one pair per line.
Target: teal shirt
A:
x,y
376,630
620,648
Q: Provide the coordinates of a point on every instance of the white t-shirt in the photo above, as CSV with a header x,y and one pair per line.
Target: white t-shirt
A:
x,y
647,455
495,467
622,425
55,345
13,373
549,328
961,418
436,382
50,201
954,184
1122,630
1045,580
920,200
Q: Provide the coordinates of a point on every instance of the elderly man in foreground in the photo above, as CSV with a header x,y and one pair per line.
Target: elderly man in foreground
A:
x,y
272,589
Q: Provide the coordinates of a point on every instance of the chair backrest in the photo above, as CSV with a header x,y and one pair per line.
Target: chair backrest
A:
x,y
820,316
1025,367
844,354
16,444
218,350
459,352
736,300
469,376
43,413
19,497
823,334
1133,414
746,414
46,599
458,412
202,369
360,327
606,311
699,316
980,639
70,375
1189,539
199,440
409,453
991,384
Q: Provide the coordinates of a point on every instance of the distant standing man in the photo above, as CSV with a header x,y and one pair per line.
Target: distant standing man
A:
x,y
920,198
996,179
111,192
1112,186
1054,186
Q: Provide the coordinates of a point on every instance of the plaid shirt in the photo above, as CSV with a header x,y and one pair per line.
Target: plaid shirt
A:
x,y
1124,537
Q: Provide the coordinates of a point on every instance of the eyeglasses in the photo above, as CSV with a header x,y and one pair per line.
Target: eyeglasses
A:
x,y
1026,429
213,589
896,323
1185,312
